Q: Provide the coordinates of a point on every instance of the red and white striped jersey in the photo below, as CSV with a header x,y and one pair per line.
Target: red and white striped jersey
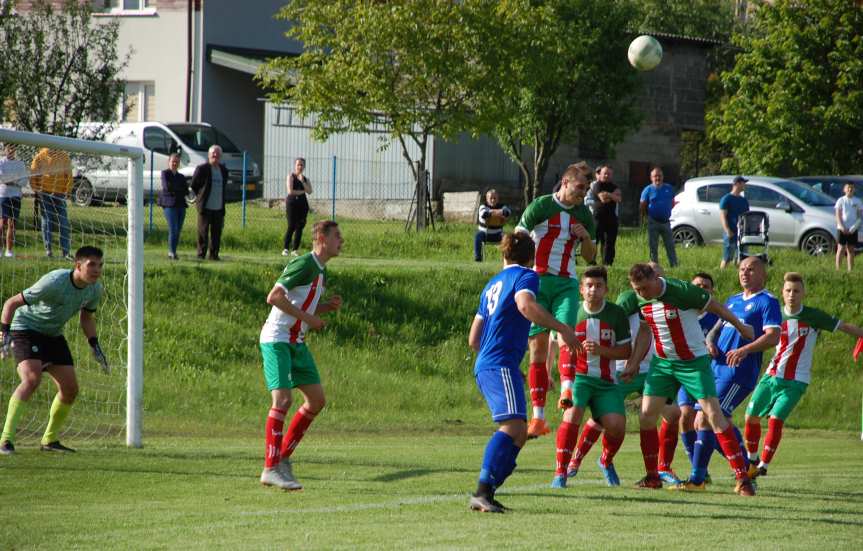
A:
x,y
550,224
794,353
608,327
303,281
673,319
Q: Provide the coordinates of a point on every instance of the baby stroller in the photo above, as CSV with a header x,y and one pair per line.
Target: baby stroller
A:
x,y
753,232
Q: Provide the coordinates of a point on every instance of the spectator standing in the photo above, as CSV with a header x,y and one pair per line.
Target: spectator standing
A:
x,y
208,184
849,214
731,206
51,178
657,198
173,202
13,176
296,207
606,199
492,216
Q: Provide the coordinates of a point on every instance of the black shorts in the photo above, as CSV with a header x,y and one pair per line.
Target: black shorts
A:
x,y
849,239
32,345
10,207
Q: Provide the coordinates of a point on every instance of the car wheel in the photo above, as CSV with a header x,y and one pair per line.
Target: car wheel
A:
x,y
817,243
687,237
82,192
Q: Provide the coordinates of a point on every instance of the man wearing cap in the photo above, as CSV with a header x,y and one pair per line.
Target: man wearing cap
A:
x,y
731,206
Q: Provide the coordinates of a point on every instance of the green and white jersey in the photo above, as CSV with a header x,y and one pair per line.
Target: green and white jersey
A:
x,y
303,281
550,225
673,319
793,358
607,327
54,300
628,301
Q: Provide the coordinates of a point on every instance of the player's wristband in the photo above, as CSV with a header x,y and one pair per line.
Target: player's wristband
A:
x,y
94,342
5,327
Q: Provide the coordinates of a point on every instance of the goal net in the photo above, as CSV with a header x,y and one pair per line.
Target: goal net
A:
x,y
75,193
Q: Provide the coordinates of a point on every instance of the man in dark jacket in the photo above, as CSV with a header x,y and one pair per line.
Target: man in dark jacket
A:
x,y
208,184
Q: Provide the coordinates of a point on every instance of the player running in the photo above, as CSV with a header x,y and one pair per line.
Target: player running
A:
x,y
589,380
557,223
288,363
498,333
670,309
789,372
31,328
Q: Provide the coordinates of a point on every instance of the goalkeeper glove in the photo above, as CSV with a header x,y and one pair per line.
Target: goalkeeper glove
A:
x,y
6,338
99,355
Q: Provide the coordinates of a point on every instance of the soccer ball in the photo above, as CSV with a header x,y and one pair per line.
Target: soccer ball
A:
x,y
645,53
495,220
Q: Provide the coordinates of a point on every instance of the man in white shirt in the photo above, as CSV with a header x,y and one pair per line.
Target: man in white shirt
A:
x,y
849,214
13,176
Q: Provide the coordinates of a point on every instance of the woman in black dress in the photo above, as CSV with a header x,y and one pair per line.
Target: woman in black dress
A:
x,y
296,207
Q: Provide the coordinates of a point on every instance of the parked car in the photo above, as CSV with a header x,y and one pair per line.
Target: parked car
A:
x,y
100,180
833,185
799,215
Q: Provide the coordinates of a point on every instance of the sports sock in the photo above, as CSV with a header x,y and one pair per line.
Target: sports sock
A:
x,y
299,424
688,439
741,443
537,378
752,435
567,434
496,452
667,445
275,424
771,441
13,415
565,366
733,452
705,441
610,445
59,413
589,435
509,464
650,451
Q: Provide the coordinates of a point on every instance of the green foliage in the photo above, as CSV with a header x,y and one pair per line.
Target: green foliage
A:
x,y
59,68
698,18
795,95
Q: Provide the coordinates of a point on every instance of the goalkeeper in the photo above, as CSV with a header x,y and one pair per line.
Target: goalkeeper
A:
x,y
31,328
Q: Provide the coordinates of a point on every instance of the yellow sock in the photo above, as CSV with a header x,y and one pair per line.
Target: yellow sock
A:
x,y
59,413
13,414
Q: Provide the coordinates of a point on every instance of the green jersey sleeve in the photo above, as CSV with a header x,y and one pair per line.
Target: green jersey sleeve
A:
x,y
819,319
628,301
683,294
583,215
93,303
535,213
48,289
621,326
300,271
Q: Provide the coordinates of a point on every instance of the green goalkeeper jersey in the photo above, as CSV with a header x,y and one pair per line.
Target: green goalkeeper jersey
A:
x,y
303,281
54,300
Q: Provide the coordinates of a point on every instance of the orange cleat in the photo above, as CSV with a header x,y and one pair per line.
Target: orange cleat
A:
x,y
537,427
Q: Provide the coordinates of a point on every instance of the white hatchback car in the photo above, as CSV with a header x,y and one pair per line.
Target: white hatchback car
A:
x,y
799,215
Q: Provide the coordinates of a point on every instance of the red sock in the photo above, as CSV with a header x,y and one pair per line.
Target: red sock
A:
x,y
537,378
731,448
565,366
275,424
566,436
668,443
301,421
771,441
752,436
650,451
589,435
610,445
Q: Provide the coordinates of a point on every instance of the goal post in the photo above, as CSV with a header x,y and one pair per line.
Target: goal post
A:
x,y
134,277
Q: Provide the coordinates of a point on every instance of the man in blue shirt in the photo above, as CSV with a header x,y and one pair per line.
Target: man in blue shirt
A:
x,y
737,361
498,334
656,202
731,206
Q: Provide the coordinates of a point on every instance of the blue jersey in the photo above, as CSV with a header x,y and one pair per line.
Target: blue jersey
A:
x,y
504,329
707,320
760,311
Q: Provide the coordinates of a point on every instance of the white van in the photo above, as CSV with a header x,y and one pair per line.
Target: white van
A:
x,y
96,181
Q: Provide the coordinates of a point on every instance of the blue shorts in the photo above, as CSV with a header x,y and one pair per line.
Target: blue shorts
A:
x,y
10,207
685,399
503,390
730,394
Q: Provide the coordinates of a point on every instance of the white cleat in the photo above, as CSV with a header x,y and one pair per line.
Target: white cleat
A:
x,y
275,477
288,473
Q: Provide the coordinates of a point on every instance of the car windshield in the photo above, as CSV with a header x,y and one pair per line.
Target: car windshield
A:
x,y
806,194
200,138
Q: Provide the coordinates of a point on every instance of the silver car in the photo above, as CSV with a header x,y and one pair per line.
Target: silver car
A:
x,y
799,215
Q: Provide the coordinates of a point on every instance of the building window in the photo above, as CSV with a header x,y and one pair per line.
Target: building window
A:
x,y
139,102
124,6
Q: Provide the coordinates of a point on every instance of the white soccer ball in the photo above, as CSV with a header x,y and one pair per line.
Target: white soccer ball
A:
x,y
645,53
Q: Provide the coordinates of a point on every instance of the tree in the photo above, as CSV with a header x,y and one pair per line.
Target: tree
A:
x,y
795,95
564,79
713,19
60,68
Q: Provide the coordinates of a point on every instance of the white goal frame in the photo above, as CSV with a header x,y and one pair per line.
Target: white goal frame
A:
x,y
134,261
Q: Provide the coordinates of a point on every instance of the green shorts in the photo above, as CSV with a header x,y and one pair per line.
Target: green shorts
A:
x,y
774,397
560,296
603,397
288,365
666,376
635,386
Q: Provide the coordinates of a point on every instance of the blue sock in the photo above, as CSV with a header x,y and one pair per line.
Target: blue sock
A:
x,y
688,439
509,462
494,460
705,441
